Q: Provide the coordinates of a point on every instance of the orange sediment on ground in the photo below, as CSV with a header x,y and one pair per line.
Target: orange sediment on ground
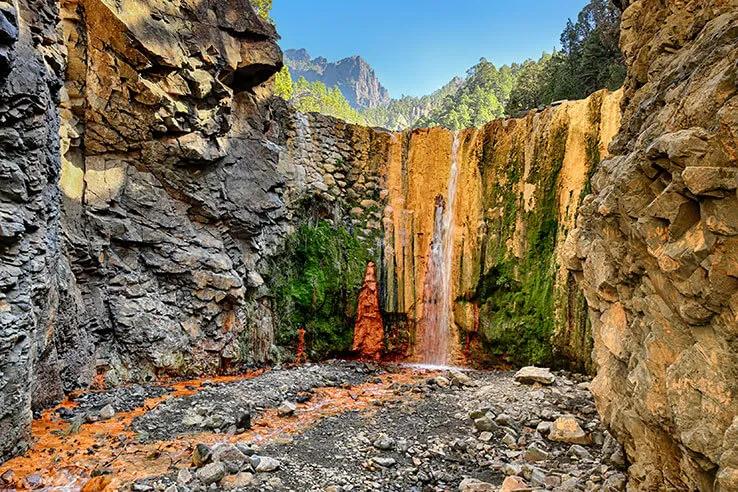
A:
x,y
59,458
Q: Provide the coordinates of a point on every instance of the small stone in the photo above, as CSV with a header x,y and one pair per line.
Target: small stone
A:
x,y
384,462
184,476
510,441
201,455
532,375
485,424
503,419
211,473
239,480
543,428
476,414
267,464
485,436
384,442
513,483
107,412
566,429
534,453
230,456
512,469
474,485
442,382
286,409
458,378
579,452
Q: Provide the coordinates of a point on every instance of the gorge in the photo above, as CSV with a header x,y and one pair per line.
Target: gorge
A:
x,y
163,216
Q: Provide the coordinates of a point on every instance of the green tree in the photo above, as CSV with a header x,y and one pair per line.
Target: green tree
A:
x,y
590,60
283,84
262,7
315,97
480,99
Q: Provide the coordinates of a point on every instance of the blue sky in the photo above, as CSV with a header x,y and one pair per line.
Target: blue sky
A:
x,y
416,46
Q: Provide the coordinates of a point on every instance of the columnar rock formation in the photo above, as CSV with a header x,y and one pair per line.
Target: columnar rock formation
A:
x,y
658,245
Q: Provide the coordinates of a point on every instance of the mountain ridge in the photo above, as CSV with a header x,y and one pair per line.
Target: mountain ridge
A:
x,y
353,75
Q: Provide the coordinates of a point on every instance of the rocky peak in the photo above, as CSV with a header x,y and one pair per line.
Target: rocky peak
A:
x,y
353,76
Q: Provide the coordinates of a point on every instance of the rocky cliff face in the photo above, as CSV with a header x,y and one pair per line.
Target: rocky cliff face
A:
x,y
30,259
130,251
520,182
353,76
657,247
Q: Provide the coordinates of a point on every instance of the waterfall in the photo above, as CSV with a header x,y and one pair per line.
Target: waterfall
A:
x,y
437,314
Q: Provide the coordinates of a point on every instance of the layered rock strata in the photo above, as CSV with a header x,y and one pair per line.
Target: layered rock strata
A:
x,y
32,270
657,249
170,186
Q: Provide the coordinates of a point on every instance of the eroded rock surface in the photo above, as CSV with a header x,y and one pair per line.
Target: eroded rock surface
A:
x,y
658,248
33,274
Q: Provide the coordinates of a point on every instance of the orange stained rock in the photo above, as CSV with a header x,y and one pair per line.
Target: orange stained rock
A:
x,y
369,328
300,355
68,459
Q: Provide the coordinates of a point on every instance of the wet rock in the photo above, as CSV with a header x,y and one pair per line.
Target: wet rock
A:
x,y
211,473
533,375
567,429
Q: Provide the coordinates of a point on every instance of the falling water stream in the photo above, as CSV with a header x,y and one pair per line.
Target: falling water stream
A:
x,y
437,315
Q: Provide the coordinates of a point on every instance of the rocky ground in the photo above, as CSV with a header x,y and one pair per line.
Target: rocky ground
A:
x,y
348,426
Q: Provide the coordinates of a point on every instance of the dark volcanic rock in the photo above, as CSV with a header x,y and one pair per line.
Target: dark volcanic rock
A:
x,y
30,259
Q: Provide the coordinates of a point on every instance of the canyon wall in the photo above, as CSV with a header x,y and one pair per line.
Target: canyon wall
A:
x,y
656,249
161,213
30,250
520,182
167,180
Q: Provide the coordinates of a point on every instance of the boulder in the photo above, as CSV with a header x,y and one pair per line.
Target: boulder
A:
x,y
533,375
567,429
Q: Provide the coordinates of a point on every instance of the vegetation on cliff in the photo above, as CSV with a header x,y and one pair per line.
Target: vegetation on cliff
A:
x,y
588,61
317,279
315,97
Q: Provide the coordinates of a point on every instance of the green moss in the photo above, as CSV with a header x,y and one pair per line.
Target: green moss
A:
x,y
316,281
516,295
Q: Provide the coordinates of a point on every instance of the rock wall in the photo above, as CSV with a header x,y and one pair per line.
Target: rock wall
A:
x,y
30,260
657,249
168,179
520,183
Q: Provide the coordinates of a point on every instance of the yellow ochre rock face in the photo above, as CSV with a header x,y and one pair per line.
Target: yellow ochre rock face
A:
x,y
516,177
